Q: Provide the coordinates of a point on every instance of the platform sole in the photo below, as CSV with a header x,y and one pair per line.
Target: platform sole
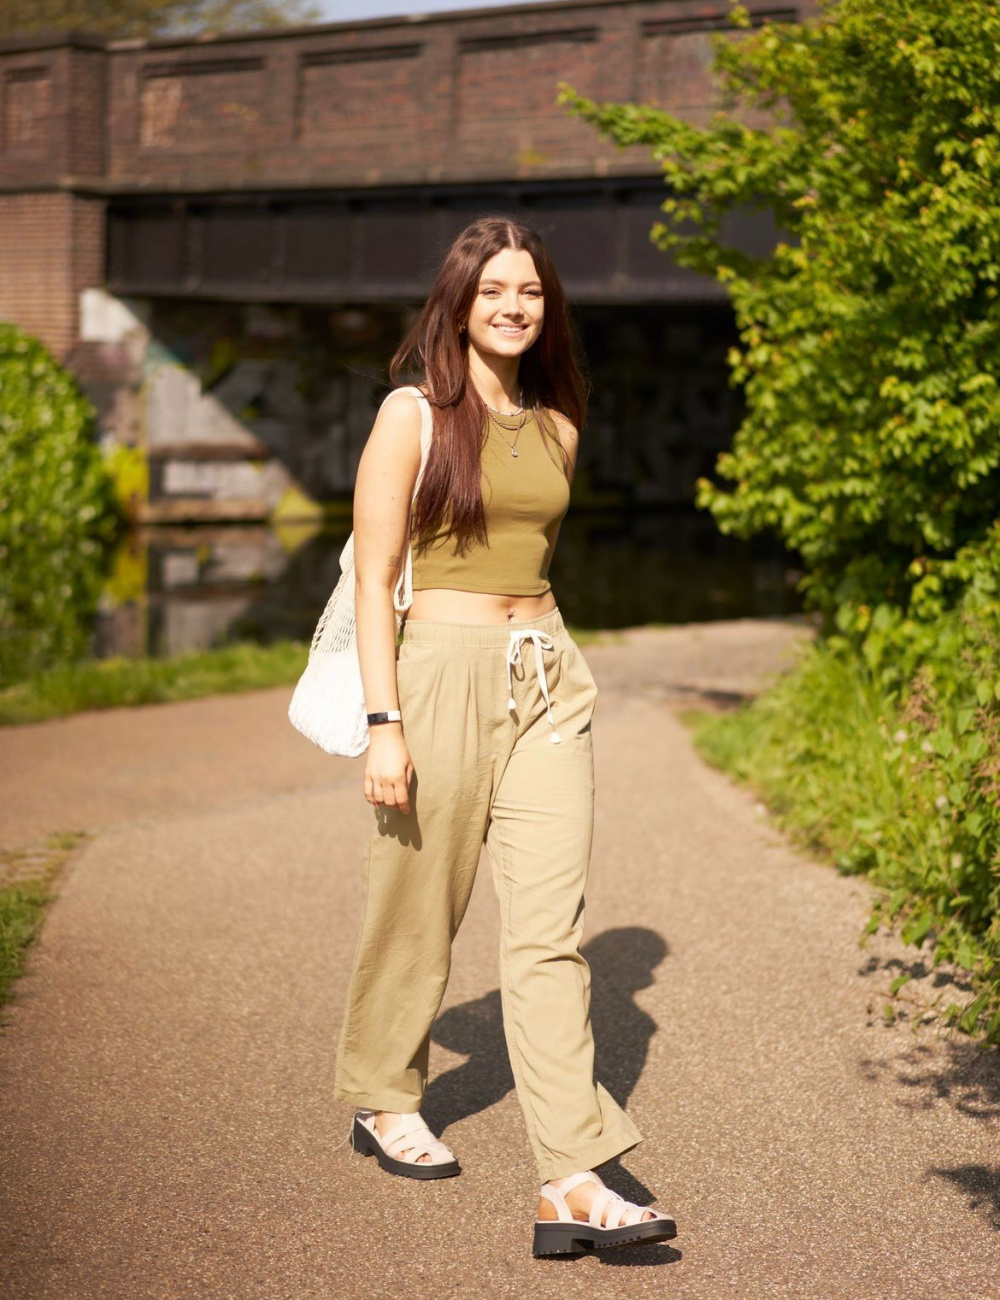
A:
x,y
368,1145
580,1238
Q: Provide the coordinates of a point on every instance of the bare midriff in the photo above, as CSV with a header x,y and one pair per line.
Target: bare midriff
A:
x,y
444,605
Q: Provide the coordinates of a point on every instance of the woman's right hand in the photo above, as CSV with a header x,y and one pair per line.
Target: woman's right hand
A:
x,y
388,767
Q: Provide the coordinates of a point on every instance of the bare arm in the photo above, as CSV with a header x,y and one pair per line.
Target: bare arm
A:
x,y
386,476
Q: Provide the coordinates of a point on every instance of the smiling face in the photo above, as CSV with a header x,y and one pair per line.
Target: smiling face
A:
x,y
508,310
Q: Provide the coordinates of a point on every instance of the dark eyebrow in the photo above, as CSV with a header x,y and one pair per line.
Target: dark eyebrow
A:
x,y
500,284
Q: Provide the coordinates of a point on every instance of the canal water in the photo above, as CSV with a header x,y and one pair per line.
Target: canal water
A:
x,y
633,550
178,589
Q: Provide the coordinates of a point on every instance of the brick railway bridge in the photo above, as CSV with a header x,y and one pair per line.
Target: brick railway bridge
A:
x,y
225,236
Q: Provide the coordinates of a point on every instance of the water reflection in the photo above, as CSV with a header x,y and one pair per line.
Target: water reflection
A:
x,y
622,570
187,588
51,581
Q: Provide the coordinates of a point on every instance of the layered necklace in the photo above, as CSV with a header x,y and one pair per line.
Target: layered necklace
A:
x,y
498,420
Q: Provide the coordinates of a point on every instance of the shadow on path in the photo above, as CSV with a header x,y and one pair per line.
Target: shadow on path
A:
x,y
622,962
956,1072
981,1185
946,1067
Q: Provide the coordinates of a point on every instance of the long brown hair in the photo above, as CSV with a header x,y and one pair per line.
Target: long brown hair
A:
x,y
550,375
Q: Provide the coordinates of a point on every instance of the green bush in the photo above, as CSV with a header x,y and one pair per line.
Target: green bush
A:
x,y
870,358
901,782
870,339
57,510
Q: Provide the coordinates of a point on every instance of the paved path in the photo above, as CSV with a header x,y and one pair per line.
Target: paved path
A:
x,y
165,1073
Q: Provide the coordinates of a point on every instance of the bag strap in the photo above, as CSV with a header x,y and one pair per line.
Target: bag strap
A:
x,y
426,433
426,426
403,592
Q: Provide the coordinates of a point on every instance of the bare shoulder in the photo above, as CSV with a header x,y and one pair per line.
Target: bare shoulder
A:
x,y
400,410
396,431
390,460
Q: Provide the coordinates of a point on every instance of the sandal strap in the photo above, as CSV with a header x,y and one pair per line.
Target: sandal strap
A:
x,y
410,1122
554,1192
555,1198
622,1213
607,1210
410,1153
604,1200
410,1139
409,1125
564,1185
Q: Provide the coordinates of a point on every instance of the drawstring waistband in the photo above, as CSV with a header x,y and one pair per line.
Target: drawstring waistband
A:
x,y
540,640
543,631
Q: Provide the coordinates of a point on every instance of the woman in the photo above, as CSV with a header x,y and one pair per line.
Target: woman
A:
x,y
464,747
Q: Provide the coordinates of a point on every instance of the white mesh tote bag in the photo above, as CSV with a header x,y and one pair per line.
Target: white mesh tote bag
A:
x,y
328,705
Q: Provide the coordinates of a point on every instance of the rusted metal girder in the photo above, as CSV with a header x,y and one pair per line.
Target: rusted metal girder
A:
x,y
360,246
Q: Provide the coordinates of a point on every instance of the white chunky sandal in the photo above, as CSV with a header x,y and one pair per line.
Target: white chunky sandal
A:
x,y
399,1150
622,1221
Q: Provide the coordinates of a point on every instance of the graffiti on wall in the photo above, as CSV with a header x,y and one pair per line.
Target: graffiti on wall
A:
x,y
245,405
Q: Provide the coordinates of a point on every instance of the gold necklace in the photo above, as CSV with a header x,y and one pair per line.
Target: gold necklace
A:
x,y
504,429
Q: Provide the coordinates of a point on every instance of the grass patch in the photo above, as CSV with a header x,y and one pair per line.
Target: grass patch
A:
x,y
27,880
22,907
901,785
595,635
812,749
122,683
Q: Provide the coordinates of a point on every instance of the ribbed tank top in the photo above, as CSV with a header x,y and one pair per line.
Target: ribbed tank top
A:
x,y
524,500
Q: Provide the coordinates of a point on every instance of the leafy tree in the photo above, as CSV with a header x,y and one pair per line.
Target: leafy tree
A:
x,y
144,18
871,442
57,510
869,339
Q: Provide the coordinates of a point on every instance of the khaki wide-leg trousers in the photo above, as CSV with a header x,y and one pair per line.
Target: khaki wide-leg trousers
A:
x,y
487,772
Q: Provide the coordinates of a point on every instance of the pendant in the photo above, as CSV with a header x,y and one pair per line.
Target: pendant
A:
x,y
513,451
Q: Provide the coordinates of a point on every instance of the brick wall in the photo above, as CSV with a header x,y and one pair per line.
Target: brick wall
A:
x,y
52,121
53,248
447,97
437,99
52,143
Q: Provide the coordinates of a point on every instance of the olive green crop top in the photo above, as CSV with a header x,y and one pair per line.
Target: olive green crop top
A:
x,y
524,500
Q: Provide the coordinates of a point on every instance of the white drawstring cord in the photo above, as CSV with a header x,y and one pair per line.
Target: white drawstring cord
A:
x,y
538,640
350,1135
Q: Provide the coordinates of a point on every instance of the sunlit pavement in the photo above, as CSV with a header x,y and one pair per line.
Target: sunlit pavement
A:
x,y
165,1074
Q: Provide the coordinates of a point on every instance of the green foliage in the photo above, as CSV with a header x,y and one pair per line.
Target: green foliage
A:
x,y
119,683
129,472
22,907
899,781
869,339
27,877
57,510
144,18
871,443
